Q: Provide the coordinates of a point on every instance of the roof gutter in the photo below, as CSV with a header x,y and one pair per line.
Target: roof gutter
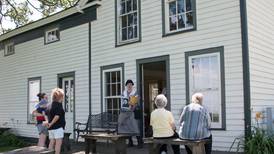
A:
x,y
246,73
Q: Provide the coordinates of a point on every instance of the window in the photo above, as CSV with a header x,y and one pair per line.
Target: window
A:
x,y
9,49
179,15
112,90
34,87
128,26
205,74
52,35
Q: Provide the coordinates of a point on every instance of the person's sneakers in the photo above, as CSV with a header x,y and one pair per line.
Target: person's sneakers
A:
x,y
163,152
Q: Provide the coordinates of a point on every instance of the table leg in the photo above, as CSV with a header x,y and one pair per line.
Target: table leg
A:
x,y
93,146
120,146
198,149
87,141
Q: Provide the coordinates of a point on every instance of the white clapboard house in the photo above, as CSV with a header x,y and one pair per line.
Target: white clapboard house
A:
x,y
222,48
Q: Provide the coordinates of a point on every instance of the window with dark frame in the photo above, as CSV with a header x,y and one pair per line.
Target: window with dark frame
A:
x,y
127,21
112,85
179,15
52,35
9,49
205,74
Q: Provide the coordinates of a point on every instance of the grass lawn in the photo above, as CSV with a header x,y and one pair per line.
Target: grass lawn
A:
x,y
5,149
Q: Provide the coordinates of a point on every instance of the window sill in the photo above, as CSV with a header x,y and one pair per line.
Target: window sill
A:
x,y
127,42
9,54
218,129
51,42
178,32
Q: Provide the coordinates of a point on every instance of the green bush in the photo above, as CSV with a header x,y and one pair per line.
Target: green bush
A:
x,y
8,139
259,142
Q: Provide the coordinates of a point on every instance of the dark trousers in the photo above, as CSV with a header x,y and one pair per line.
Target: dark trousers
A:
x,y
208,146
175,148
139,140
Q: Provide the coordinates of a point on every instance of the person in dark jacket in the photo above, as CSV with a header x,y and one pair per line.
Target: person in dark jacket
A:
x,y
56,120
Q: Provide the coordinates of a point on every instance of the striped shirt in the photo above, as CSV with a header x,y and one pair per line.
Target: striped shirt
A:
x,y
194,122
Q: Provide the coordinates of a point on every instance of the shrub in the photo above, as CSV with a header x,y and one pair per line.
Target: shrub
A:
x,y
8,139
259,142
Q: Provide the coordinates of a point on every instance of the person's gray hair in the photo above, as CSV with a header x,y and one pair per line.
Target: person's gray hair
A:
x,y
197,98
161,101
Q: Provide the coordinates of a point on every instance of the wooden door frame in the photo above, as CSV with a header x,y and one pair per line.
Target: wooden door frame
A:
x,y
139,62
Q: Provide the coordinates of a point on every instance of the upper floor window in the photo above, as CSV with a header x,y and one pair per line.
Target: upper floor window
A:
x,y
128,24
52,35
179,15
9,49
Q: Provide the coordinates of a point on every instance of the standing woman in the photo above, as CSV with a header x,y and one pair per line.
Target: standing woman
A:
x,y
39,113
56,123
195,123
127,102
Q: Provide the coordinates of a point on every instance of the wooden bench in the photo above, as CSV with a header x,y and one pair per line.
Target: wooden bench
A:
x,y
118,140
197,146
102,122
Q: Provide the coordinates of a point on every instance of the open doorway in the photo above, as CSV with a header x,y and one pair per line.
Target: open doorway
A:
x,y
153,79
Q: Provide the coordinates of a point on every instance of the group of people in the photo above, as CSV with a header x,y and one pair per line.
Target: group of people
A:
x,y
194,122
50,119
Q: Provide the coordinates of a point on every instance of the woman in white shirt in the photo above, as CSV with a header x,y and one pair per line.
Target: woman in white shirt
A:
x,y
163,125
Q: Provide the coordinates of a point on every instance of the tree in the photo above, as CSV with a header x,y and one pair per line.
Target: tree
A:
x,y
19,11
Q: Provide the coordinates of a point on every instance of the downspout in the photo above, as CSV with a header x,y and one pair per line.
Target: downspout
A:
x,y
89,70
246,73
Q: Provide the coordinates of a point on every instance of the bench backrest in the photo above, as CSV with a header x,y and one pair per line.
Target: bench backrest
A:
x,y
102,120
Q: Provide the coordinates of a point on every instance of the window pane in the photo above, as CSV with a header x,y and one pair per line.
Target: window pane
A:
x,y
130,32
129,6
188,5
181,21
135,32
107,77
113,77
189,20
115,104
135,18
108,89
172,8
118,77
118,89
113,90
130,19
109,103
123,8
124,34
181,5
172,23
135,5
124,21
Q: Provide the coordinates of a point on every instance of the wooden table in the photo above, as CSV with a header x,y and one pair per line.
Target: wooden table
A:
x,y
197,146
31,150
118,140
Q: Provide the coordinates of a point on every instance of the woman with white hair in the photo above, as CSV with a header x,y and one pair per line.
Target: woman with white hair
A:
x,y
195,123
163,125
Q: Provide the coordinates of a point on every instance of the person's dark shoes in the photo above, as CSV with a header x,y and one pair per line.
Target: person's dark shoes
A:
x,y
140,146
130,143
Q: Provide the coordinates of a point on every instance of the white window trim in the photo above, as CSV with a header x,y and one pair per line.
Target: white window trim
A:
x,y
166,13
51,30
6,53
119,24
32,80
104,85
213,124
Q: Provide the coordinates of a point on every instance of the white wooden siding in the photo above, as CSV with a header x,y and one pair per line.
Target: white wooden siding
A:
x,y
218,25
33,59
261,53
